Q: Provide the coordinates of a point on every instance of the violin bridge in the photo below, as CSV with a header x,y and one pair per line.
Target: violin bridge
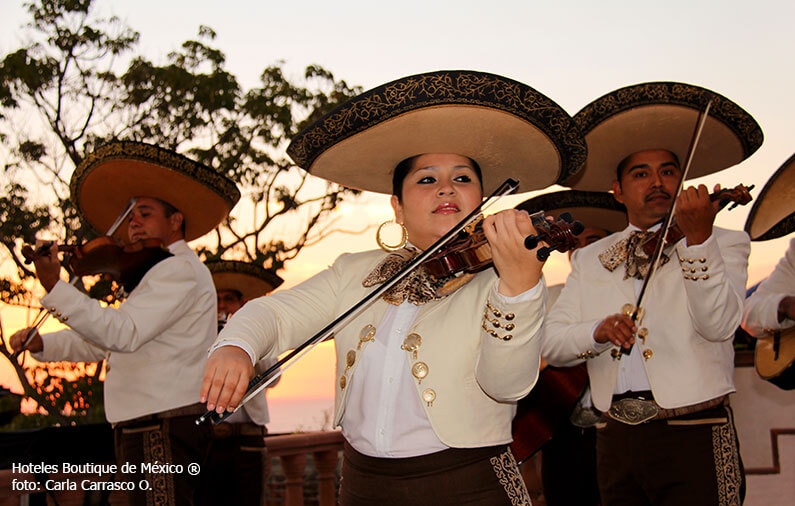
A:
x,y
454,284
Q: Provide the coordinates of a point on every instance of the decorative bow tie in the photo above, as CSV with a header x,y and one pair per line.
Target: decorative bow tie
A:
x,y
630,250
418,287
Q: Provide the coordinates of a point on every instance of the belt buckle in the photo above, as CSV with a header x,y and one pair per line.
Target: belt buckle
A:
x,y
633,411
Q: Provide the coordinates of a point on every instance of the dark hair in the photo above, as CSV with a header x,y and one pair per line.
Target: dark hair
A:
x,y
237,293
623,163
168,210
404,167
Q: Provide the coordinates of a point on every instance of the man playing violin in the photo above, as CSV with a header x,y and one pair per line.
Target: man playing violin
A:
x,y
154,342
661,374
426,381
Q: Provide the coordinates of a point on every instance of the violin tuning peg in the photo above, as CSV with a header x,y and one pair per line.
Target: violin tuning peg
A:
x,y
543,253
566,217
577,227
531,241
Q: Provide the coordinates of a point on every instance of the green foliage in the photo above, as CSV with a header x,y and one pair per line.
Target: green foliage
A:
x,y
73,391
79,83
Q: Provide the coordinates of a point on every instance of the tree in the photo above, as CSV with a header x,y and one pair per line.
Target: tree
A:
x,y
77,84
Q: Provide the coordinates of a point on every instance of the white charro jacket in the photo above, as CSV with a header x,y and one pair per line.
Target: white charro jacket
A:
x,y
474,379
156,341
690,322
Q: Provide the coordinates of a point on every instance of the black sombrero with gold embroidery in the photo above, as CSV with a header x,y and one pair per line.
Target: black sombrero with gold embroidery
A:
x,y
109,177
509,128
773,212
662,115
592,209
249,279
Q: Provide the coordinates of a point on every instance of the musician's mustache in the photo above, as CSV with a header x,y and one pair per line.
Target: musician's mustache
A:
x,y
656,194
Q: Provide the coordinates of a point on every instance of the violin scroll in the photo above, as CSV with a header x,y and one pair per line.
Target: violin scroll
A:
x,y
470,251
740,195
30,254
558,234
126,264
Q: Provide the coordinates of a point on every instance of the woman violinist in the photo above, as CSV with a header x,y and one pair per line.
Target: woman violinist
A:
x,y
426,384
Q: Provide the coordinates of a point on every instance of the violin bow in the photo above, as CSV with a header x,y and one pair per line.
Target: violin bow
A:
x,y
658,250
43,315
260,382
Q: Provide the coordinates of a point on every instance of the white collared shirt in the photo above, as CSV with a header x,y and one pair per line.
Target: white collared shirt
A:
x,y
384,416
631,370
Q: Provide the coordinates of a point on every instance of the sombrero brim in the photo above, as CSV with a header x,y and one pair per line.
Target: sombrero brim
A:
x,y
110,176
662,115
592,209
773,212
508,128
249,279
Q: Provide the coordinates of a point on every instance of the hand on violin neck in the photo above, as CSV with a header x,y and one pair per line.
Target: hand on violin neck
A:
x,y
518,267
48,265
18,338
695,214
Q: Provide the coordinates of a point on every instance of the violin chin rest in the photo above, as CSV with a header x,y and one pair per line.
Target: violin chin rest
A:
x,y
454,284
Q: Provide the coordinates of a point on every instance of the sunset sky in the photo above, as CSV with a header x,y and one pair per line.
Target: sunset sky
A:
x,y
571,51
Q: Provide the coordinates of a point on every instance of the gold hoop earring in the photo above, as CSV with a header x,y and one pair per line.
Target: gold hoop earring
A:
x,y
404,236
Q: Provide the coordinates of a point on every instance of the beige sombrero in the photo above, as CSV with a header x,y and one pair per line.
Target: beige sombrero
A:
x,y
662,115
110,176
773,212
250,279
592,209
510,129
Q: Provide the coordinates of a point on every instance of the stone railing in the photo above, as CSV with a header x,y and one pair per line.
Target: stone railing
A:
x,y
302,477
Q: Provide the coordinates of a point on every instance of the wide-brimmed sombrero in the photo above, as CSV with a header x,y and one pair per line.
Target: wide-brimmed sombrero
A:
x,y
249,279
110,176
508,128
592,209
662,115
773,213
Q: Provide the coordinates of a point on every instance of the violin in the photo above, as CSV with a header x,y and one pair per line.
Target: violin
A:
x,y
470,251
125,264
740,195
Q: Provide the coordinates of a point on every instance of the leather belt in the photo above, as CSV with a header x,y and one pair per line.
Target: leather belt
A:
x,y
227,429
634,411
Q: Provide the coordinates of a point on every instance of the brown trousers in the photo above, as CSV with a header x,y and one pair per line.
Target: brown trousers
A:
x,y
455,477
692,459
234,470
174,440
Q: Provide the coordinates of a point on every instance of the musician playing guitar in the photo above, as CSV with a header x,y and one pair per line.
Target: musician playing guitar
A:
x,y
770,311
